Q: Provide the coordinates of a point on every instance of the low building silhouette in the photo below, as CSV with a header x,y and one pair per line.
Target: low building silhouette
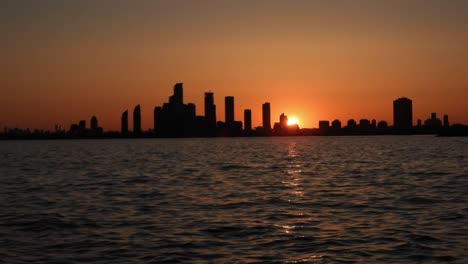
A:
x,y
382,125
364,124
324,125
351,124
336,124
433,123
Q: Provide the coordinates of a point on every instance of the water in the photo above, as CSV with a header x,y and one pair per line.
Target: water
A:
x,y
387,199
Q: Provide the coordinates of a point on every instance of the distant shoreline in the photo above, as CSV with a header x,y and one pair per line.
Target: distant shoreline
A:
x,y
447,132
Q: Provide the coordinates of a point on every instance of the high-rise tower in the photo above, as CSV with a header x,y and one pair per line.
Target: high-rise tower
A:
x,y
178,97
229,109
124,122
403,113
266,113
137,120
210,109
247,120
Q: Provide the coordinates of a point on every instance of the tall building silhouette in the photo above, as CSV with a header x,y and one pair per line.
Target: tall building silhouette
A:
x,y
156,114
176,119
124,122
94,123
210,110
283,120
178,96
247,120
266,114
402,113
446,121
137,120
229,109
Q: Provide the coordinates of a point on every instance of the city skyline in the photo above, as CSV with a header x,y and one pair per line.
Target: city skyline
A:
x,y
163,115
176,119
311,60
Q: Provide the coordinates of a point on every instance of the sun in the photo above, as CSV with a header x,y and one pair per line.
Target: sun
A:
x,y
292,121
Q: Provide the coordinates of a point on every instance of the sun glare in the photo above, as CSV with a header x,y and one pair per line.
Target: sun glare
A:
x,y
292,121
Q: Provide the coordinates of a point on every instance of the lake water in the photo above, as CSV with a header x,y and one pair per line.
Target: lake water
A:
x,y
381,199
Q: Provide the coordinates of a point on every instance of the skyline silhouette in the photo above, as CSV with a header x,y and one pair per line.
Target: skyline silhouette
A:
x,y
312,60
176,119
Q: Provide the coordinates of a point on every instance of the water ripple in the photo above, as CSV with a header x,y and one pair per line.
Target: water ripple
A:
x,y
274,200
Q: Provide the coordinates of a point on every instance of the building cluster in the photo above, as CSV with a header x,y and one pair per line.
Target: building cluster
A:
x,y
402,123
178,119
80,129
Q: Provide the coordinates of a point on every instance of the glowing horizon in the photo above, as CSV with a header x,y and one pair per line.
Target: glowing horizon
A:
x,y
293,121
65,62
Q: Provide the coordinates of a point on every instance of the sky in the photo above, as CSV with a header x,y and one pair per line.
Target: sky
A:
x,y
62,61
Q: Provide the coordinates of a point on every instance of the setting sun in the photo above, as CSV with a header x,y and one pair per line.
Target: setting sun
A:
x,y
292,121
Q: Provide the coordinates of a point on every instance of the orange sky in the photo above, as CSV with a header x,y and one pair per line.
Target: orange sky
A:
x,y
63,62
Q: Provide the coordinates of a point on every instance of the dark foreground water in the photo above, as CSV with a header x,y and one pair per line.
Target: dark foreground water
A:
x,y
310,199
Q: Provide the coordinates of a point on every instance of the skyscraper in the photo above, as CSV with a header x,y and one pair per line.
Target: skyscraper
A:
x,y
266,113
156,113
283,121
229,109
124,122
137,120
403,113
178,97
247,119
210,109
